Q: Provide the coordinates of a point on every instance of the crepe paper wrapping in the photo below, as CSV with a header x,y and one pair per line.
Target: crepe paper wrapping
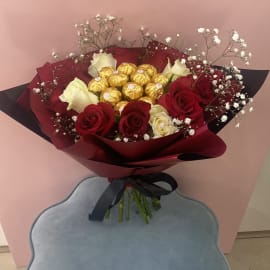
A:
x,y
205,143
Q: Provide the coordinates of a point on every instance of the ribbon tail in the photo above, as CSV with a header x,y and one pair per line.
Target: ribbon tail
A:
x,y
108,199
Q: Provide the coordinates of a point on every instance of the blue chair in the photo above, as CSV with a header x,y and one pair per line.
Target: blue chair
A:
x,y
182,235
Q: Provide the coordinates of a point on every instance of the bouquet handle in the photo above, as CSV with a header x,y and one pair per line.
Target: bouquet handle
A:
x,y
145,184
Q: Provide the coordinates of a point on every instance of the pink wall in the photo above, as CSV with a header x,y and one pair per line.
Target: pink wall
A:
x,y
34,174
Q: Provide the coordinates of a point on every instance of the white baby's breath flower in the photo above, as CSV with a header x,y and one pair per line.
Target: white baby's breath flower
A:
x,y
201,30
100,60
224,118
235,36
191,132
179,69
168,39
77,96
216,40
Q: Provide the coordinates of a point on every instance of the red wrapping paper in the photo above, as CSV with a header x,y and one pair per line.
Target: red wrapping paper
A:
x,y
104,156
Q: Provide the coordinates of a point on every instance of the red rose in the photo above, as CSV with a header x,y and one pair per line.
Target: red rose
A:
x,y
182,102
204,88
95,119
134,119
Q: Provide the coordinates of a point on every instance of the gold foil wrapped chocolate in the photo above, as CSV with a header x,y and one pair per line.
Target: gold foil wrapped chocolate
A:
x,y
117,79
151,70
97,85
160,78
111,95
127,68
154,90
132,91
119,107
148,100
106,72
140,77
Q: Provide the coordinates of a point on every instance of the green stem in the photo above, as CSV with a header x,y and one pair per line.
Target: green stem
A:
x,y
128,205
156,203
107,214
146,206
139,206
121,208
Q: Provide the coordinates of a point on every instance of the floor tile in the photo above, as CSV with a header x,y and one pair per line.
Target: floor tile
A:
x,y
250,254
7,262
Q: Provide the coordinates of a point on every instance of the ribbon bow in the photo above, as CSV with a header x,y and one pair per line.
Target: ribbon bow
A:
x,y
144,183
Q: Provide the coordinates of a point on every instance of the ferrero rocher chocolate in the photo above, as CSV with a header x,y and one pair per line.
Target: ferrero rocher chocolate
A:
x,y
97,85
148,100
106,72
117,79
132,91
154,90
120,106
151,70
140,77
127,68
160,78
111,95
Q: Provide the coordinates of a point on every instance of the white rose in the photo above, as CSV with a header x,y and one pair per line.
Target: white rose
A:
x,y
77,96
161,123
100,60
154,110
177,70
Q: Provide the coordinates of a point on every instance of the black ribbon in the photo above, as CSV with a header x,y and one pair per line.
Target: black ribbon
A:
x,y
144,183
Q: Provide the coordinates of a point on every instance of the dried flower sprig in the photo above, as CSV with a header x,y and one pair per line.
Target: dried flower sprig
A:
x,y
236,47
98,33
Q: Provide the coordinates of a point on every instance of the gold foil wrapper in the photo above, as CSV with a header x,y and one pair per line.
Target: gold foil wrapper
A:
x,y
127,68
151,70
160,78
97,85
132,91
154,90
106,72
119,107
118,79
148,100
140,77
111,95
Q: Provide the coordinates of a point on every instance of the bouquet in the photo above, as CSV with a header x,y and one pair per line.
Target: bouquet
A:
x,y
129,111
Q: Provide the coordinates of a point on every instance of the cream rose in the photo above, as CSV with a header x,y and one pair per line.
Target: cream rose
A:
x,y
156,109
177,70
161,122
100,60
77,96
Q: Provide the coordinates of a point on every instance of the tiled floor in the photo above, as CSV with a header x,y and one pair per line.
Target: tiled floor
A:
x,y
247,254
250,254
7,263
